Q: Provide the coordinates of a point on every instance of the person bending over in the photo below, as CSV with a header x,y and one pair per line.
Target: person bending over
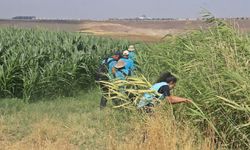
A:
x,y
162,88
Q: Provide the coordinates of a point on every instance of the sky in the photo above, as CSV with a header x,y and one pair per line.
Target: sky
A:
x,y
105,9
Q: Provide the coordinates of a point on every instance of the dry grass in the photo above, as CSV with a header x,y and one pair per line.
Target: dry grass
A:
x,y
45,135
161,132
68,124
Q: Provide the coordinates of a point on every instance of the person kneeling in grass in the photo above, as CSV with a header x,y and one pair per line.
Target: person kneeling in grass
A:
x,y
162,87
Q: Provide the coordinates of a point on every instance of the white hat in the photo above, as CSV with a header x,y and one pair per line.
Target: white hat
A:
x,y
131,48
120,64
125,53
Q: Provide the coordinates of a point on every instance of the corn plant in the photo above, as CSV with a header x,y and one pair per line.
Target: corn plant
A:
x,y
35,63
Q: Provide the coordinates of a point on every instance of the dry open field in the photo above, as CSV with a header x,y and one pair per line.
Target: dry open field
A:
x,y
133,30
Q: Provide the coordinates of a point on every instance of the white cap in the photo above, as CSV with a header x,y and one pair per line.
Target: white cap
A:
x,y
131,48
125,53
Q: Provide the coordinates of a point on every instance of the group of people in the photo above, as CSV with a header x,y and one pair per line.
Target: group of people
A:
x,y
121,65
118,66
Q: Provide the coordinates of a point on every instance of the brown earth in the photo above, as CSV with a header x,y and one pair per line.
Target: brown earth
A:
x,y
122,29
137,30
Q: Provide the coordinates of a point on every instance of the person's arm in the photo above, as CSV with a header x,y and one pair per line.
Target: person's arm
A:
x,y
176,99
113,70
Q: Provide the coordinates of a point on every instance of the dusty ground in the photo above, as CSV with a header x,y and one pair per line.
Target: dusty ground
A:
x,y
137,30
133,30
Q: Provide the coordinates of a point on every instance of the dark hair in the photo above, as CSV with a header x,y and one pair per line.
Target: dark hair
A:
x,y
118,53
167,77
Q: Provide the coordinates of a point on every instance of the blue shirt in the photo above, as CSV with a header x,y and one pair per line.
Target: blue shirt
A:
x,y
132,55
129,63
111,63
163,90
121,74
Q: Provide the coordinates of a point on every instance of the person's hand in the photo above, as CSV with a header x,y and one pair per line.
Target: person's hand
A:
x,y
155,100
113,70
188,101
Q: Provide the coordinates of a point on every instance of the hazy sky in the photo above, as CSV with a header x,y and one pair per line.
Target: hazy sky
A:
x,y
104,9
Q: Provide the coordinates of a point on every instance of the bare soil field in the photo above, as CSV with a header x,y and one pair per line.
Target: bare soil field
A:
x,y
139,30
122,29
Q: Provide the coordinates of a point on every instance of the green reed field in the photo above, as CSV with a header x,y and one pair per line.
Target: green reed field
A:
x,y
213,67
49,99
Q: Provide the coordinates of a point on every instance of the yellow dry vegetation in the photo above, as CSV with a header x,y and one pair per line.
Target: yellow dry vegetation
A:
x,y
162,132
45,135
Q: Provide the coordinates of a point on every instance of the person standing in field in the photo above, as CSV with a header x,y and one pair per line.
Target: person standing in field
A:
x,y
129,63
105,73
131,54
112,61
120,71
162,88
